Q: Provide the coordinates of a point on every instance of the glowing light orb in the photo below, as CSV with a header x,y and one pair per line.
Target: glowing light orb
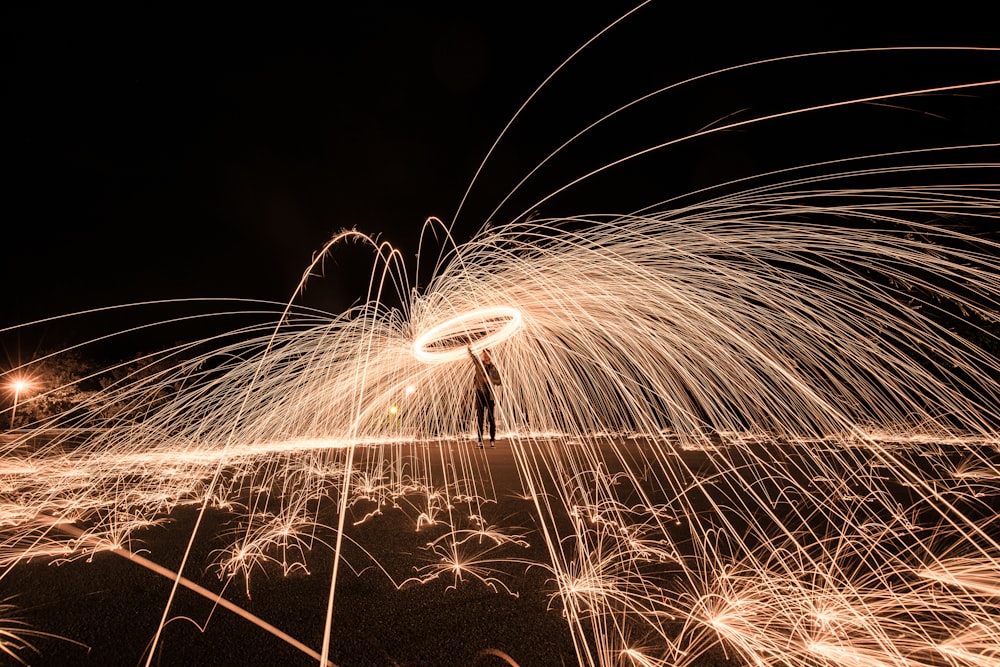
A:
x,y
482,329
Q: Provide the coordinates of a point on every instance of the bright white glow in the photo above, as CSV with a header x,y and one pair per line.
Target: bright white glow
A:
x,y
482,328
19,386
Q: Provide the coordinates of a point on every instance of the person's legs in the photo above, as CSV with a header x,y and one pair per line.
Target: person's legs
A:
x,y
493,422
480,413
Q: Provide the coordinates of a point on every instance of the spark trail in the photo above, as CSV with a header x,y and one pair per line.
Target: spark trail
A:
x,y
760,420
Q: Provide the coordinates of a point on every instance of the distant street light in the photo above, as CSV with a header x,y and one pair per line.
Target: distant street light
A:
x,y
18,385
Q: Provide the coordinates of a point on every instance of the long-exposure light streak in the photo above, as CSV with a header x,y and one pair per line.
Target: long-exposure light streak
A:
x,y
758,421
482,329
215,598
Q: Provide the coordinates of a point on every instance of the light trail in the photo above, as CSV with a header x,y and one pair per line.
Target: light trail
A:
x,y
215,598
480,329
759,422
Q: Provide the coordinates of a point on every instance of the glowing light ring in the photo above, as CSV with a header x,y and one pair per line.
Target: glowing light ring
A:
x,y
450,337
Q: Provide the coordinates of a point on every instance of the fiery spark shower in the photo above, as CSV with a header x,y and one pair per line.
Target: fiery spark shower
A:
x,y
759,421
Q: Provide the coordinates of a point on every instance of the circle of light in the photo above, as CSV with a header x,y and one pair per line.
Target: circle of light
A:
x,y
462,324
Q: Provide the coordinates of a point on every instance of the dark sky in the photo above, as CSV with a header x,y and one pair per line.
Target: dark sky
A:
x,y
158,154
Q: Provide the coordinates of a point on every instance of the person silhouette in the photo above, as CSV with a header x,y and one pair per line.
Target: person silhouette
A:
x,y
482,386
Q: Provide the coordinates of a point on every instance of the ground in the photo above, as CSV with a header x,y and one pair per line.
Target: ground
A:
x,y
112,606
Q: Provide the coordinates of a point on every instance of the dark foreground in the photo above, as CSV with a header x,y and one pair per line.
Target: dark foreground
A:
x,y
111,606
106,611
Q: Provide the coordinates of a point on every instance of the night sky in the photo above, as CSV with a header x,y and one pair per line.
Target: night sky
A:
x,y
158,154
